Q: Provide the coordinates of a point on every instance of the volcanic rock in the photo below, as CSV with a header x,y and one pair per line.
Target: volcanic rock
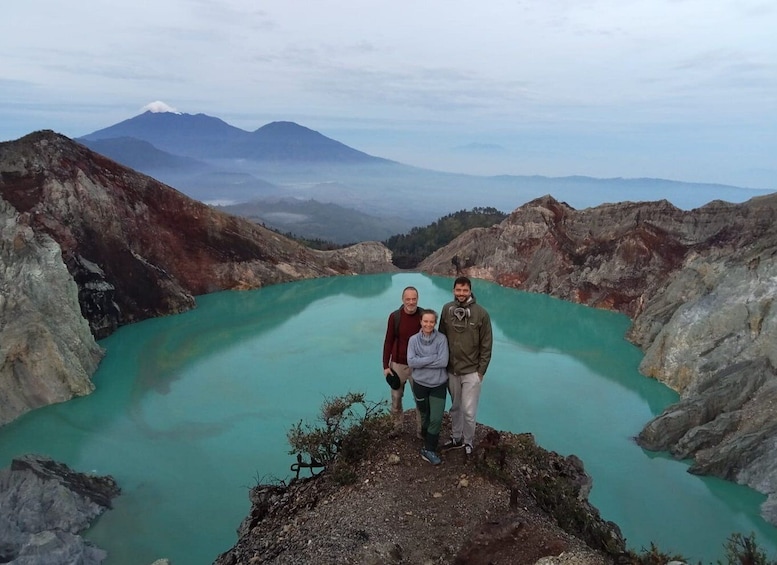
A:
x,y
699,286
47,352
45,506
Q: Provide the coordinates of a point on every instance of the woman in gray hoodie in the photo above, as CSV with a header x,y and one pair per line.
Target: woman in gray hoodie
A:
x,y
427,354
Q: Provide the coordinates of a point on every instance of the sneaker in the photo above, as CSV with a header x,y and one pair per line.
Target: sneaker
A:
x,y
430,456
452,443
468,449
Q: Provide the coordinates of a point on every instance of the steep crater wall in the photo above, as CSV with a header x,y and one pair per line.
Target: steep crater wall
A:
x,y
699,286
89,245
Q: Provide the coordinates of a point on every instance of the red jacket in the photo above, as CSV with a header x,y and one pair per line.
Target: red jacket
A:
x,y
395,347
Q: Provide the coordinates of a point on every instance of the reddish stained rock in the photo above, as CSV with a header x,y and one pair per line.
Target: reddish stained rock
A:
x,y
138,248
613,256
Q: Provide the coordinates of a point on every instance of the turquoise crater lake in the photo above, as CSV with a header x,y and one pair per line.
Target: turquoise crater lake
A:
x,y
191,410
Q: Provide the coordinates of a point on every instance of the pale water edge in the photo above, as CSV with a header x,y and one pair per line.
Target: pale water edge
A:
x,y
191,410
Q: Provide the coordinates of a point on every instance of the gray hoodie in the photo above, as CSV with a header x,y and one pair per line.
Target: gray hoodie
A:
x,y
428,356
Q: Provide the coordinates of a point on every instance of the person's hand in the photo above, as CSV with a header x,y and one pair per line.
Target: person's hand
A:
x,y
386,372
481,377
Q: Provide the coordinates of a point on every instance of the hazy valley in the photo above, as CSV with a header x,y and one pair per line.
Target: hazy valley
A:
x,y
270,175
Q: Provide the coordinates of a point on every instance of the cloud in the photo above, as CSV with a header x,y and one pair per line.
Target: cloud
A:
x,y
159,107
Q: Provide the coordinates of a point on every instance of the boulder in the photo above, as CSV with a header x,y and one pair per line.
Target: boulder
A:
x,y
45,507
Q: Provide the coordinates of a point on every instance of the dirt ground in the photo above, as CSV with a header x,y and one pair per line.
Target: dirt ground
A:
x,y
404,510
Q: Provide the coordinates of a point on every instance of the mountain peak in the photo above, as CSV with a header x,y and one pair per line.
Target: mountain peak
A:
x,y
190,135
289,141
285,126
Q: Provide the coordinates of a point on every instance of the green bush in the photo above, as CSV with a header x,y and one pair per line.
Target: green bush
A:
x,y
347,428
743,550
653,556
739,550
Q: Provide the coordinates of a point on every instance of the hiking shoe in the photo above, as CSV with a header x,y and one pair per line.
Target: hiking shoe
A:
x,y
430,456
468,449
452,443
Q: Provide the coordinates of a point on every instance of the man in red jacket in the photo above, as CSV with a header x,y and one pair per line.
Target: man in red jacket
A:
x,y
398,332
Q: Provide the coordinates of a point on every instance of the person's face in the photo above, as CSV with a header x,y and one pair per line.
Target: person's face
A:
x,y
462,292
428,322
410,301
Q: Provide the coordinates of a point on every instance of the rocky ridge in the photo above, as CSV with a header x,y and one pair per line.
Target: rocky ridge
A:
x,y
699,286
511,502
85,238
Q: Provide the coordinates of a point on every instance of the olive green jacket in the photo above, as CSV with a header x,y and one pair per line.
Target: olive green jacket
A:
x,y
468,329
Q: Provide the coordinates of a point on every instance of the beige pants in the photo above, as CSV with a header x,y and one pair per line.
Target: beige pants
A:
x,y
405,376
465,395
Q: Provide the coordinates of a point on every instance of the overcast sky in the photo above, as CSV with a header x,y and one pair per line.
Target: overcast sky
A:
x,y
679,89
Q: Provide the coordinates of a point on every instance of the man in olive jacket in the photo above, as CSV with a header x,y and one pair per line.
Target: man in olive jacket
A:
x,y
467,326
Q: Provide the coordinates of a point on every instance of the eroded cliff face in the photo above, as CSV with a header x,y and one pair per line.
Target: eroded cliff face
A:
x,y
89,245
718,349
47,353
700,287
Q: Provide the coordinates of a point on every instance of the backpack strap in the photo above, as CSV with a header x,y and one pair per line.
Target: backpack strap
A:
x,y
396,314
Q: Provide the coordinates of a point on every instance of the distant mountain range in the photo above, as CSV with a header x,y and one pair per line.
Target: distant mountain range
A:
x,y
214,162
205,137
317,220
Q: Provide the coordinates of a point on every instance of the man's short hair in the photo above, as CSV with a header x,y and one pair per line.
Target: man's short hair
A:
x,y
462,280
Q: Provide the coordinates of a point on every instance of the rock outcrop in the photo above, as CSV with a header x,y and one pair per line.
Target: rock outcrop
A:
x,y
700,286
47,353
368,257
45,507
133,249
510,502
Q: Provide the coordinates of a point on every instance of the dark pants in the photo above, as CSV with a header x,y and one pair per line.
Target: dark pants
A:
x,y
430,403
